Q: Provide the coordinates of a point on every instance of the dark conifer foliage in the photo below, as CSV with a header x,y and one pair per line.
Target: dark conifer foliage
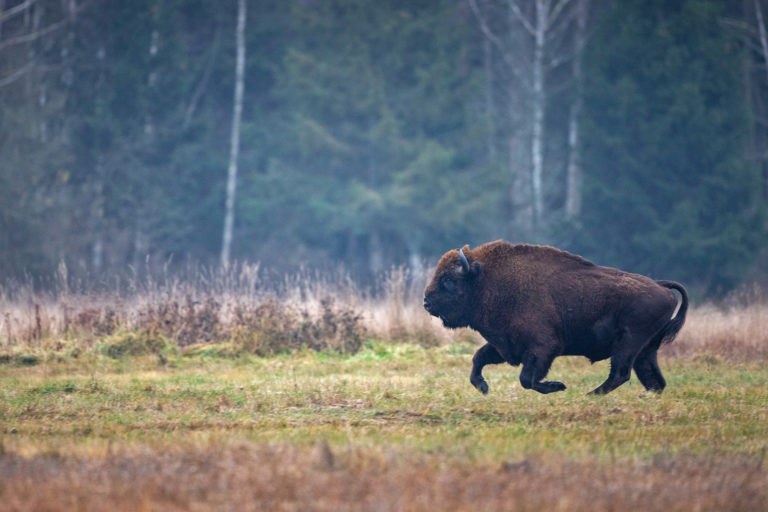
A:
x,y
669,190
381,133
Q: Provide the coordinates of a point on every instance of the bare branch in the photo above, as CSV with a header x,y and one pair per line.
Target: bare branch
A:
x,y
738,24
559,60
525,22
8,80
487,32
13,11
557,10
32,36
746,33
190,111
556,28
498,43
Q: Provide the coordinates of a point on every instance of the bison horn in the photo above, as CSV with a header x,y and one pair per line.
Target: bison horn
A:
x,y
464,262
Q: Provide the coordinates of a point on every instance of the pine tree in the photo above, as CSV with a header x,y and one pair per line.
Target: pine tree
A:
x,y
668,191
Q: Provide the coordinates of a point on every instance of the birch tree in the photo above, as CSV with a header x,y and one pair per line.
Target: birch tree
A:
x,y
750,25
528,59
234,149
763,38
573,177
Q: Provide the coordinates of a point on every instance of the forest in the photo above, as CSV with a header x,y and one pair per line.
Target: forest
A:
x,y
147,136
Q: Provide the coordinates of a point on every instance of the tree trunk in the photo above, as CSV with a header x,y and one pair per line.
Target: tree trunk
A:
x,y
489,100
573,179
520,191
234,149
97,221
762,32
375,256
2,10
538,111
764,47
140,243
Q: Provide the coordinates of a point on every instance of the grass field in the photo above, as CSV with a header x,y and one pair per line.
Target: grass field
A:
x,y
102,409
394,427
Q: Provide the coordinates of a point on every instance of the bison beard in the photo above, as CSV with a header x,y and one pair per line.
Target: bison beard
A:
x,y
534,303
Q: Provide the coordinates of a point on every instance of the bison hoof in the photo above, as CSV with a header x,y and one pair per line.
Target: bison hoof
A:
x,y
549,386
479,383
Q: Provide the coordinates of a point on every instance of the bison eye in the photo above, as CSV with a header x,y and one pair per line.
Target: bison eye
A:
x,y
448,284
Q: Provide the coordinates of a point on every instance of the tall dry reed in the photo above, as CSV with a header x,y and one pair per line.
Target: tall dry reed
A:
x,y
241,306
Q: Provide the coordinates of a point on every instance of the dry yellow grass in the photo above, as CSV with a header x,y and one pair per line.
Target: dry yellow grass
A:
x,y
247,477
210,309
736,333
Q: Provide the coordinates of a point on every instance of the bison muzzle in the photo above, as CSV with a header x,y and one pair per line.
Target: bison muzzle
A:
x,y
533,303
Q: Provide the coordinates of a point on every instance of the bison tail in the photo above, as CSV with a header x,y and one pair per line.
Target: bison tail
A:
x,y
674,325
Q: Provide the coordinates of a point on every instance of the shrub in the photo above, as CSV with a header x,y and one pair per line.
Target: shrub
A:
x,y
122,344
275,326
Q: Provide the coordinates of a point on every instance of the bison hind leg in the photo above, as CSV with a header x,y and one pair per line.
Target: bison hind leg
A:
x,y
647,369
622,361
621,367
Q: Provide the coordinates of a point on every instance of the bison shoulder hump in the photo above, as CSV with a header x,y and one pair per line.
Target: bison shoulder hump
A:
x,y
501,250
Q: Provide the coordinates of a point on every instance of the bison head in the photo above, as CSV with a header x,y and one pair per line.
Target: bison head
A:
x,y
448,295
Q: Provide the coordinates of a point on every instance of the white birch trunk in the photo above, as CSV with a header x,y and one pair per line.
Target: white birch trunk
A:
x,y
417,269
489,100
538,111
520,192
543,21
573,184
97,220
762,32
375,257
2,17
234,150
764,48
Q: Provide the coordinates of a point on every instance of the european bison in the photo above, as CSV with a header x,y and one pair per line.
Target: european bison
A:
x,y
533,303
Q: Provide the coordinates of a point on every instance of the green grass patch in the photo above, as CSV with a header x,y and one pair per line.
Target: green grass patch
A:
x,y
391,427
414,398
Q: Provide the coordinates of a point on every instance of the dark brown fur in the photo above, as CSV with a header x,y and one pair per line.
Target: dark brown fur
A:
x,y
534,303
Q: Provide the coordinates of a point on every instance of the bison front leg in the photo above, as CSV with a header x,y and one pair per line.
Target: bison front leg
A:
x,y
535,368
487,354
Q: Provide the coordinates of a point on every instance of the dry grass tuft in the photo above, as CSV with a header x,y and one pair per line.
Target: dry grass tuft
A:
x,y
313,312
396,313
735,333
